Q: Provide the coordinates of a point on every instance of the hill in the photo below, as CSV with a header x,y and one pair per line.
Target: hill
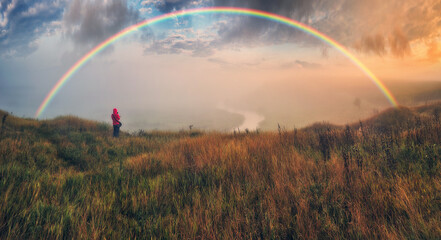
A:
x,y
68,178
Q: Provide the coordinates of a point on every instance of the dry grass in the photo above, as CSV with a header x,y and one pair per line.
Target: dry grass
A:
x,y
321,182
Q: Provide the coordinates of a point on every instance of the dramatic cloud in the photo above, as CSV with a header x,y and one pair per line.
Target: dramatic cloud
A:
x,y
379,27
240,31
376,27
297,9
249,31
371,26
90,22
22,22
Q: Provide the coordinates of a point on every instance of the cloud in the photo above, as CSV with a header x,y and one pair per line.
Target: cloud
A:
x,y
301,64
221,62
296,9
180,43
86,22
171,5
433,52
239,31
396,44
251,31
237,63
166,6
399,43
304,64
373,27
149,2
23,22
370,26
372,44
90,22
146,10
383,27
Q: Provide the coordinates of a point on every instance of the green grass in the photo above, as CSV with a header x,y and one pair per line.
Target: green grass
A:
x,y
68,178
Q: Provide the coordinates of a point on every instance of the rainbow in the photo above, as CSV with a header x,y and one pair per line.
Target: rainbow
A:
x,y
210,10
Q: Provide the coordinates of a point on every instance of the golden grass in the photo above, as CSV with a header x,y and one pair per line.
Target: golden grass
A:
x,y
69,179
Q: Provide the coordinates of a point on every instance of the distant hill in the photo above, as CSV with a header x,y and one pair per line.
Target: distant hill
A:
x,y
415,92
403,118
399,119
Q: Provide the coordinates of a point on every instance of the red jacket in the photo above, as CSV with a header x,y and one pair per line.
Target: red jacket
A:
x,y
115,117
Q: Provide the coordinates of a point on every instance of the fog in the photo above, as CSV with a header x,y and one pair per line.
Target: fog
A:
x,y
254,89
251,120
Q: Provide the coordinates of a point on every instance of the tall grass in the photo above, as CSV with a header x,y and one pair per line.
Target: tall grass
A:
x,y
67,178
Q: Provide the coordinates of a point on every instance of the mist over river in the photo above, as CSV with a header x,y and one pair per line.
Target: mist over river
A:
x,y
251,119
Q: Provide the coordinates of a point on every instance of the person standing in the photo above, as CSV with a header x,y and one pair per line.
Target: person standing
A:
x,y
116,123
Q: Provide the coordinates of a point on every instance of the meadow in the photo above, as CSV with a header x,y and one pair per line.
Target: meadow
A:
x,y
68,178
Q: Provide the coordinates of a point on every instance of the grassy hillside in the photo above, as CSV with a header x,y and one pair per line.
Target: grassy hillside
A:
x,y
68,178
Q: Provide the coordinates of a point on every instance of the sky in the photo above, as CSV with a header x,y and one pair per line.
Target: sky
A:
x,y
215,71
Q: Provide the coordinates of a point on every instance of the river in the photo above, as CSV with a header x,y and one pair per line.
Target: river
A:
x,y
251,119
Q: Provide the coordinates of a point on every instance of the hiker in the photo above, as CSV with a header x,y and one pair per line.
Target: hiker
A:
x,y
116,123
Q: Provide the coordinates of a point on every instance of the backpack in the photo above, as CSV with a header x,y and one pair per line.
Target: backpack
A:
x,y
119,123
